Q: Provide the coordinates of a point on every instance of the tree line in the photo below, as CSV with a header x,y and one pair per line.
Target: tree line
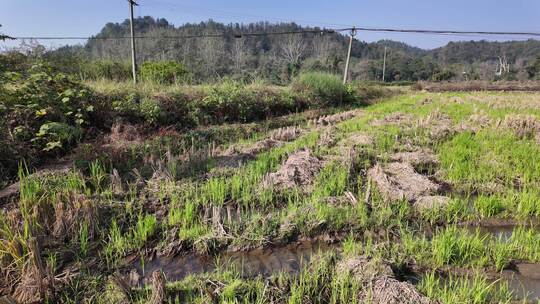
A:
x,y
279,58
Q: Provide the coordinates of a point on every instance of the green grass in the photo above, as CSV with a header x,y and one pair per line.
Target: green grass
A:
x,y
475,290
394,232
474,159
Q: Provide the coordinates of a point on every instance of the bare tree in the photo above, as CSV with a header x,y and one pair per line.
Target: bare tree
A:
x,y
322,47
211,53
293,48
504,66
239,54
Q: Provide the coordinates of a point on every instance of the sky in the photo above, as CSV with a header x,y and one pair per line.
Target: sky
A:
x,y
86,18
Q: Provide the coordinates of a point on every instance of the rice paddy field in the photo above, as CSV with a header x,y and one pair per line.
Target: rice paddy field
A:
x,y
418,198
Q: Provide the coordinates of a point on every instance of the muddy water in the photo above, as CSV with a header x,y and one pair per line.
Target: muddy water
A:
x,y
260,262
524,282
501,231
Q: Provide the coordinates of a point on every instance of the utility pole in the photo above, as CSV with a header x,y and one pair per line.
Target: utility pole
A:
x,y
384,65
353,33
133,54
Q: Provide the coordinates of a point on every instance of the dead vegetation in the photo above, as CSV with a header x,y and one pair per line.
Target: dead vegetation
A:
x,y
378,282
299,170
286,133
523,126
475,123
471,86
418,159
123,135
387,290
328,137
438,124
396,118
357,139
158,288
399,181
328,120
431,202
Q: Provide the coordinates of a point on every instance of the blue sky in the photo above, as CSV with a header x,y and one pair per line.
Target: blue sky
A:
x,y
85,18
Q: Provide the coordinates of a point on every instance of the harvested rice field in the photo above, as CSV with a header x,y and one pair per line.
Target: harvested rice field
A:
x,y
418,198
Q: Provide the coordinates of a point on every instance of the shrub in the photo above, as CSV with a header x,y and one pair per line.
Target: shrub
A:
x,y
320,88
45,108
444,75
232,101
164,72
106,69
14,61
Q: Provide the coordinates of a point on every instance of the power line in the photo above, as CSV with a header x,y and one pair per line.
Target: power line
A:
x,y
314,31
219,35
449,32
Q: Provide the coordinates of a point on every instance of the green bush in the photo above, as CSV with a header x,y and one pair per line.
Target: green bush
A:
x,y
164,72
232,101
320,88
106,69
14,62
444,75
44,110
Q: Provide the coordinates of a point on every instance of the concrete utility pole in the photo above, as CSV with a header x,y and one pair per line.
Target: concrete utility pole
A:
x,y
384,65
133,54
353,33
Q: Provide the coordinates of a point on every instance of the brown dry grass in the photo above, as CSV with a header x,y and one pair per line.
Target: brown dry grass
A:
x,y
328,120
523,126
399,181
299,170
471,86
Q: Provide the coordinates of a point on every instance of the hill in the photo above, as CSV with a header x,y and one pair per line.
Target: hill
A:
x,y
280,57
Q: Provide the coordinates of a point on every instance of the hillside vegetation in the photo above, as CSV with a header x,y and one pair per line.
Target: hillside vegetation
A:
x,y
280,58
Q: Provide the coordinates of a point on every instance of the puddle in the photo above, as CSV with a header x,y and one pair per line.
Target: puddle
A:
x,y
525,282
500,229
259,262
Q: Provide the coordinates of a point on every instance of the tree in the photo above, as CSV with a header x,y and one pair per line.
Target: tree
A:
x,y
4,37
239,54
534,69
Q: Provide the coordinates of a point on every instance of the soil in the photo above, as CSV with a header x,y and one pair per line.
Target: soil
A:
x,y
235,157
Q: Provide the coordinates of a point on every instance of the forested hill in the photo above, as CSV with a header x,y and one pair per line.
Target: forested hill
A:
x,y
279,57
